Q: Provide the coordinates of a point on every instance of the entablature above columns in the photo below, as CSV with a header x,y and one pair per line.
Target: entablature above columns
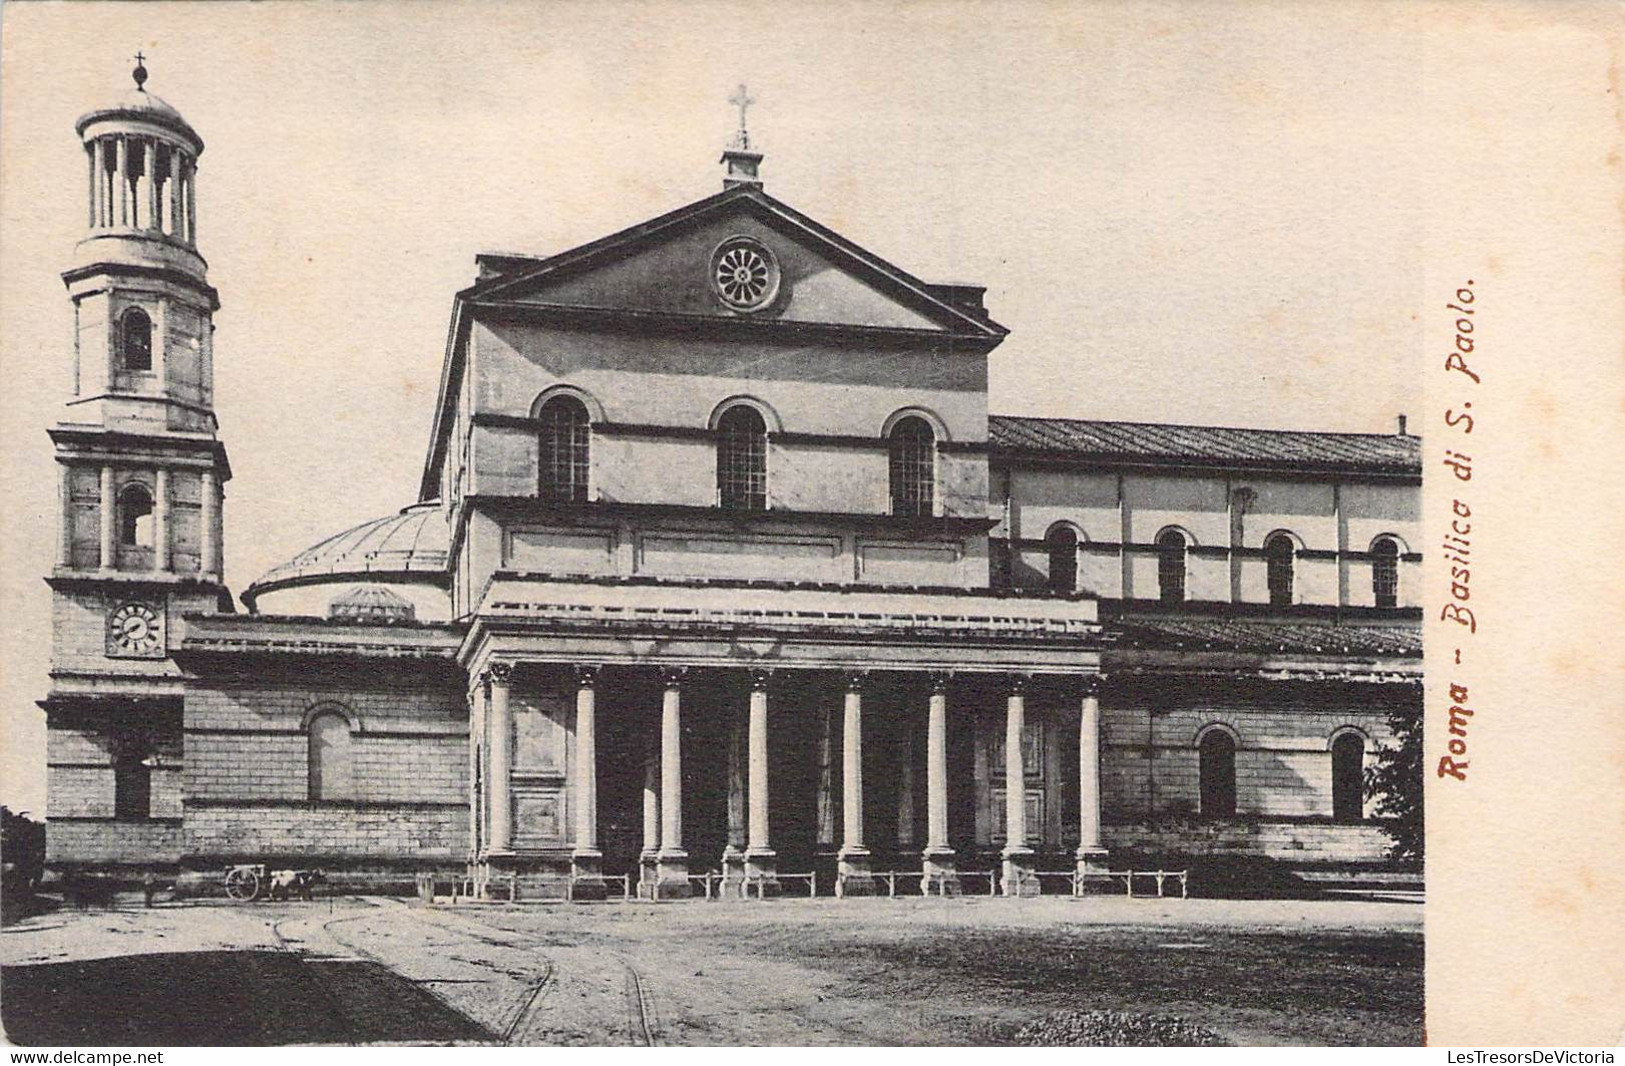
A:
x,y
767,653
822,627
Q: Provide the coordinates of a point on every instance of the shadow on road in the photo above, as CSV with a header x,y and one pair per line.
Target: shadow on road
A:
x,y
222,997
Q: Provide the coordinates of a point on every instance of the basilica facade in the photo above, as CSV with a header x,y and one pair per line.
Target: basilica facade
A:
x,y
718,563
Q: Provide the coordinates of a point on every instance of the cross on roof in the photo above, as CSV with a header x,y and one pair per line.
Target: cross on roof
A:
x,y
742,100
140,71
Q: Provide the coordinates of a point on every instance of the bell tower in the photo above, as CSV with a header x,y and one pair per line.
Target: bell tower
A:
x,y
139,530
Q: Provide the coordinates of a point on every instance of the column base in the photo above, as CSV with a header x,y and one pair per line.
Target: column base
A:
x,y
761,873
513,877
587,875
671,875
938,877
1019,878
852,873
733,873
648,874
1091,865
1093,860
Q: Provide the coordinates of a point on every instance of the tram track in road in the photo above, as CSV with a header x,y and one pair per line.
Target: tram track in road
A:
x,y
351,951
562,1000
533,997
642,1019
639,1008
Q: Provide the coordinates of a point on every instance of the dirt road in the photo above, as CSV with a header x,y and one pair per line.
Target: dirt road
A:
x,y
779,972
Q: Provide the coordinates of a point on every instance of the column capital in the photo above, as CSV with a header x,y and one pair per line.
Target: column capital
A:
x,y
759,680
1019,684
855,680
499,672
939,681
586,675
1089,685
673,676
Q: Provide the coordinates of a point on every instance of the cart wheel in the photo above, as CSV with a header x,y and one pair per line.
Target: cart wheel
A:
x,y
242,885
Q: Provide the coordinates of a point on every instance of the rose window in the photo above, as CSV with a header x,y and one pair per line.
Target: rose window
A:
x,y
745,274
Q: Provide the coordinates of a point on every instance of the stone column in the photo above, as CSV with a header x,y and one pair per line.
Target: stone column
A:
x,y
121,151
671,878
938,876
760,860
208,527
109,544
1018,857
498,678
905,781
155,219
852,865
64,525
475,720
90,158
177,197
191,202
1091,854
648,871
733,852
586,861
160,521
98,182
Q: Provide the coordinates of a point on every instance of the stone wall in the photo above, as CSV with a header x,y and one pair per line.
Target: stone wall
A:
x,y
248,789
1150,756
80,791
1310,843
71,843
1335,521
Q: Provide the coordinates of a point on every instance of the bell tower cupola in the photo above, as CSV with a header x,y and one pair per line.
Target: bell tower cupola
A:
x,y
142,470
139,286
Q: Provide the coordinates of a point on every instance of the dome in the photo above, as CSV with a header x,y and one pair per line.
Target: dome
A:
x,y
408,547
369,603
140,105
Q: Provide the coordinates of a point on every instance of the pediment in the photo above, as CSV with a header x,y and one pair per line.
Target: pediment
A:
x,y
738,255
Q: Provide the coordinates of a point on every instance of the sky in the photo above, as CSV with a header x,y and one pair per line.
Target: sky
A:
x,y
1188,213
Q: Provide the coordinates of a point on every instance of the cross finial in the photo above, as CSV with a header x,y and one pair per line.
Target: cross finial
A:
x,y
140,71
742,100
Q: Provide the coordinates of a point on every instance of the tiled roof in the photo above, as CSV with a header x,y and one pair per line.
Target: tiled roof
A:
x,y
1205,445
1296,636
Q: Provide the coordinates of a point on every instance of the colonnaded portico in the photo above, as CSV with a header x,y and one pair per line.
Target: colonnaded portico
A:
x,y
720,730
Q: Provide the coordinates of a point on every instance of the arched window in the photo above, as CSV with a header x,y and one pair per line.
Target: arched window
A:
x,y
1061,543
132,787
1171,549
742,459
135,517
1218,774
1278,557
1348,778
331,777
913,467
1385,572
135,340
564,449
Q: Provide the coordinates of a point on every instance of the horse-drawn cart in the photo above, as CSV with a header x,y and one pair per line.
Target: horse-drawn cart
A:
x,y
245,881
251,880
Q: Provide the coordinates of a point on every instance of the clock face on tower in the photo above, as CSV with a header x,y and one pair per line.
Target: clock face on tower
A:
x,y
135,631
